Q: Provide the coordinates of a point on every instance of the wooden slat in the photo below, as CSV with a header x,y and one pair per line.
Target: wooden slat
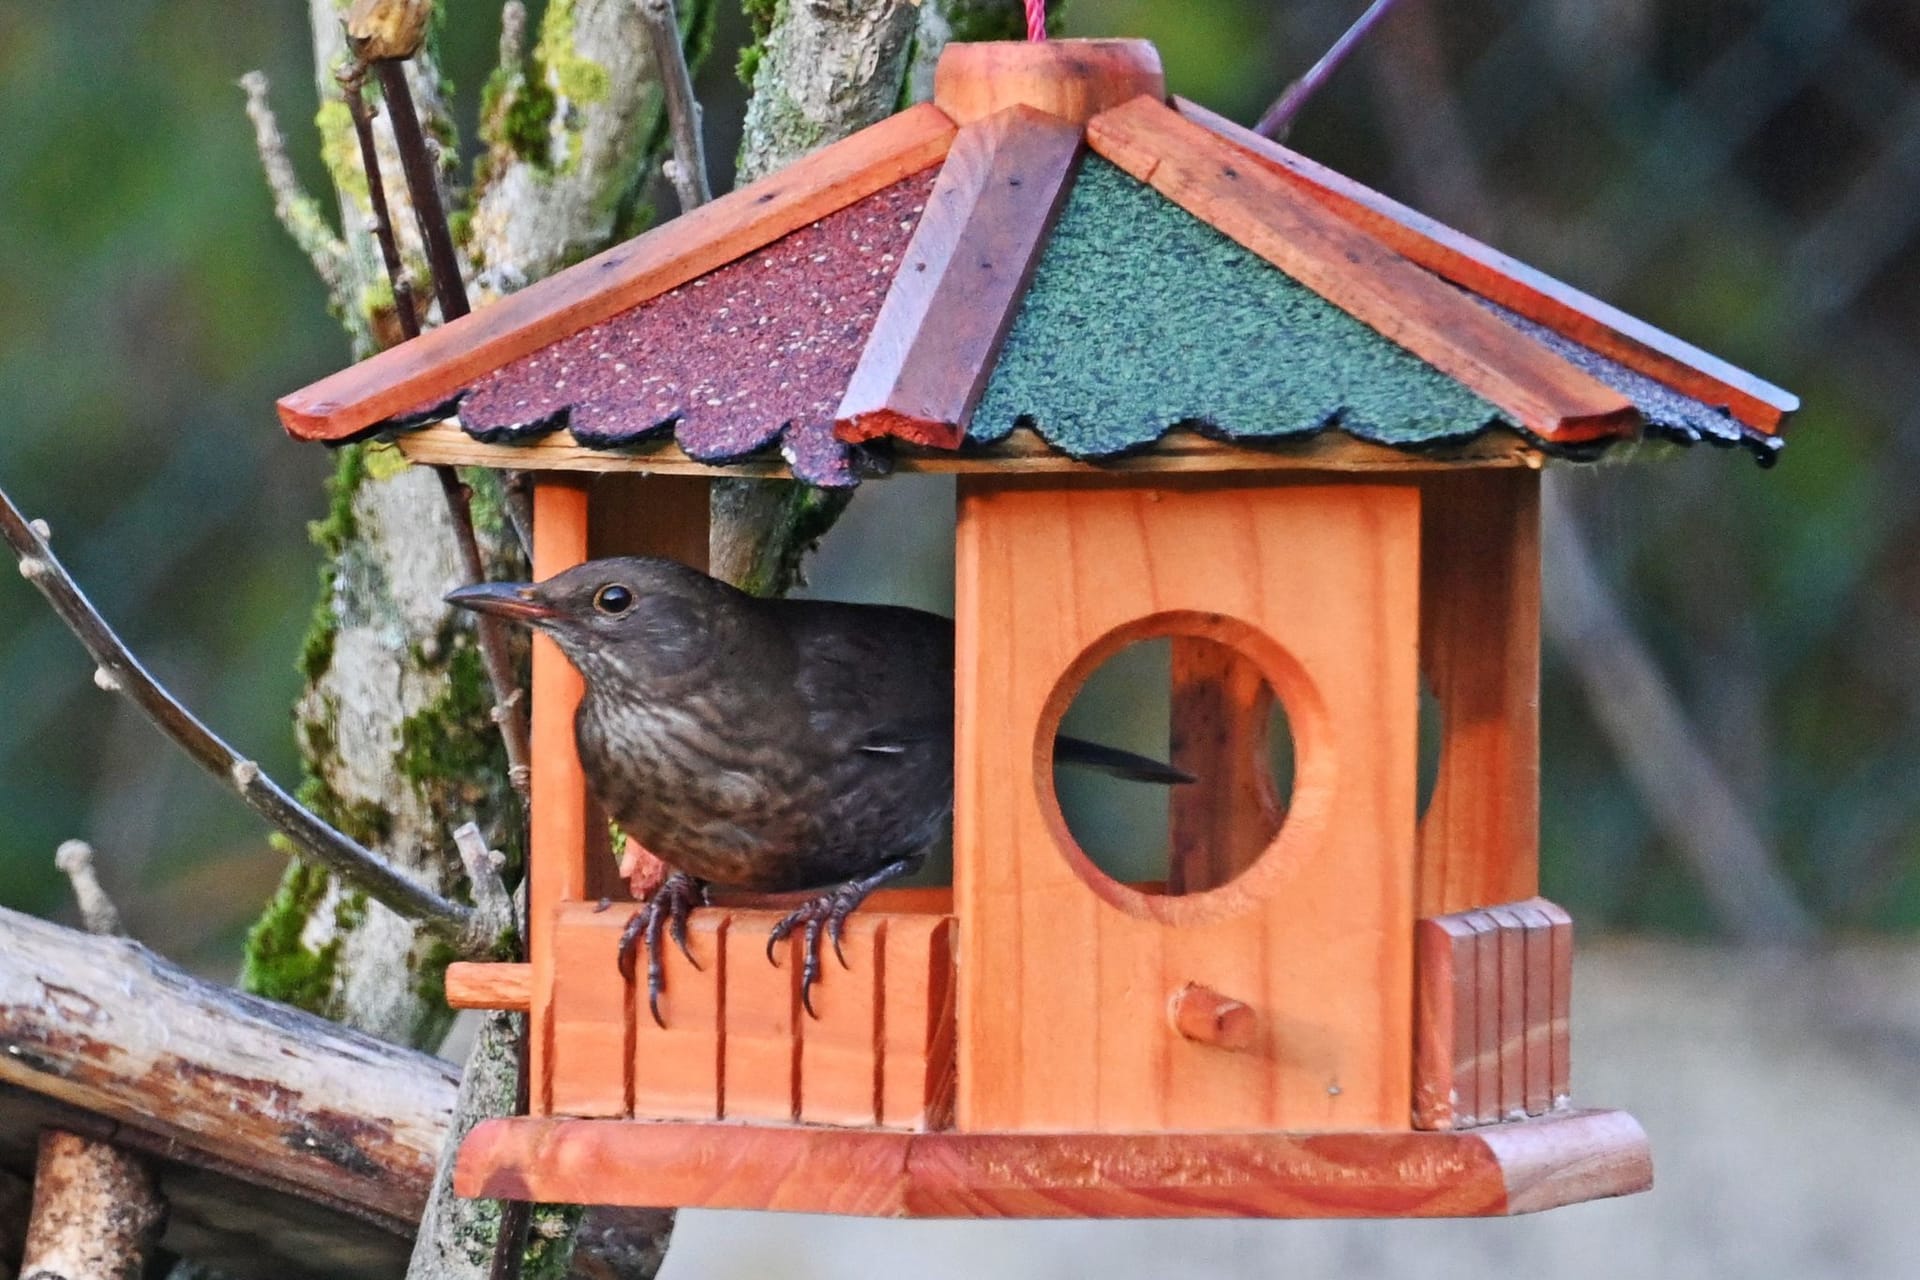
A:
x,y
1539,1001
557,869
1560,1033
591,1016
1218,183
760,1057
1517,1168
1023,452
1317,936
1072,80
1444,1034
933,346
917,1028
1486,1017
1221,709
1512,1048
1480,653
677,1068
1516,286
490,986
840,1050
444,360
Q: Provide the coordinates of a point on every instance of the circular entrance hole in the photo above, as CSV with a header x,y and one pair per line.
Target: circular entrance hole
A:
x,y
1203,706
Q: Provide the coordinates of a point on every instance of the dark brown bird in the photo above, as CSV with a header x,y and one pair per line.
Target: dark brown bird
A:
x,y
765,745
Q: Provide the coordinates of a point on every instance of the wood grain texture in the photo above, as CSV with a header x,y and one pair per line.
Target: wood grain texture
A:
x,y
677,1072
557,861
760,1042
917,1026
1560,1026
1216,182
841,1051
1517,1168
932,348
590,1015
1221,711
1052,578
1486,1017
1204,1016
1073,80
1538,1017
442,361
445,444
1446,1030
490,986
1516,286
1511,1050
1480,653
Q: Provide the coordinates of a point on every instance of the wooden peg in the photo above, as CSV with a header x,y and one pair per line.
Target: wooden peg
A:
x,y
1204,1016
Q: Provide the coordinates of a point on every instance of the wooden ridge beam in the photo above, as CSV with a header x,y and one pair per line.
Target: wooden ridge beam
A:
x,y
933,346
442,361
1215,180
1514,285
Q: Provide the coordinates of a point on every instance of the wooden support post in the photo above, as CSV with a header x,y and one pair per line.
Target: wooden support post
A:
x,y
96,1212
1222,709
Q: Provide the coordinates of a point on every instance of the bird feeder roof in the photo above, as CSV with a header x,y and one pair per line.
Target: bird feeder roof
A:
x,y
1049,260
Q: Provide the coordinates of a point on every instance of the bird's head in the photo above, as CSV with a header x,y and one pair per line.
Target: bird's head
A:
x,y
631,617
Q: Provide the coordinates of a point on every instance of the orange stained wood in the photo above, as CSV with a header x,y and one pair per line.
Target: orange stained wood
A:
x,y
1516,286
760,1017
1445,1033
1221,713
917,1023
1538,1016
841,1051
1064,974
490,986
1221,185
1560,1028
1512,1050
1486,1017
557,862
676,1068
1204,1016
939,331
444,360
1480,653
1506,1169
1073,80
591,1017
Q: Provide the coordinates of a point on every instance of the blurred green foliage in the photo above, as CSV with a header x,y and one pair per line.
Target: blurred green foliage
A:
x,y
1738,171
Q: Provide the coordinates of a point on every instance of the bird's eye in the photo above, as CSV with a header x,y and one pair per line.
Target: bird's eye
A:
x,y
613,599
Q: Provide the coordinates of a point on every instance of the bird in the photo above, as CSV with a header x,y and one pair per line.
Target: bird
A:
x,y
765,745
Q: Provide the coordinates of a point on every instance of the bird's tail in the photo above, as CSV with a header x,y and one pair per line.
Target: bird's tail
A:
x,y
1121,764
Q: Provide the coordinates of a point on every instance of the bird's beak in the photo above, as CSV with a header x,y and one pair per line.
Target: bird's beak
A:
x,y
511,600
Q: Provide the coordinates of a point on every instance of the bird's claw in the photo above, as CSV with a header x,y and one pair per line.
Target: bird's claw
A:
x,y
828,912
678,895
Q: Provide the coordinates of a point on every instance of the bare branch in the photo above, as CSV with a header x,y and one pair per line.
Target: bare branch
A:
x,y
490,896
351,81
97,912
297,211
96,1210
119,671
1279,117
513,35
688,168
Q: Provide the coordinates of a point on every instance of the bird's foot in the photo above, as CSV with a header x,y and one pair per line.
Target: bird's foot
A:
x,y
829,912
669,905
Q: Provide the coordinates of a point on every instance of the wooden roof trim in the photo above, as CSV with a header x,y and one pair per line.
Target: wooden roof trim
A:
x,y
933,346
442,361
1514,285
1211,178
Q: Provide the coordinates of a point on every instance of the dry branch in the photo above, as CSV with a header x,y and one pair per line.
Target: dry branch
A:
x,y
74,858
118,671
688,168
96,1212
297,211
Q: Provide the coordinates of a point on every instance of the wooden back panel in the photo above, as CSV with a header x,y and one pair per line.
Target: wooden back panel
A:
x,y
1065,976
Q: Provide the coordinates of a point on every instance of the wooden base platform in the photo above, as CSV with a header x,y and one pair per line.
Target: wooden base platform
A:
x,y
1517,1167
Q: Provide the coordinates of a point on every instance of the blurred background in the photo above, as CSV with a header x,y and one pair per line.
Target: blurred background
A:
x,y
1743,173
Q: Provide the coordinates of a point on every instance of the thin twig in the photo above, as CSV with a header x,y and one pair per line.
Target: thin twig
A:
x,y
351,81
688,168
97,912
118,671
1279,117
423,184
297,211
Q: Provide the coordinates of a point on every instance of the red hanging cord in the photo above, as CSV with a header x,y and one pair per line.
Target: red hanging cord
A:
x,y
1036,19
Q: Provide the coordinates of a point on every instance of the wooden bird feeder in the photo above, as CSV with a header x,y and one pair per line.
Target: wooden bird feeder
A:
x,y
1196,386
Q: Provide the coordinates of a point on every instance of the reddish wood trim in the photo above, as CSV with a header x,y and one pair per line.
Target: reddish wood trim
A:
x,y
558,801
1446,1031
1070,79
1560,1027
1516,286
442,361
939,331
677,1071
1513,1168
1222,708
490,986
1213,179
